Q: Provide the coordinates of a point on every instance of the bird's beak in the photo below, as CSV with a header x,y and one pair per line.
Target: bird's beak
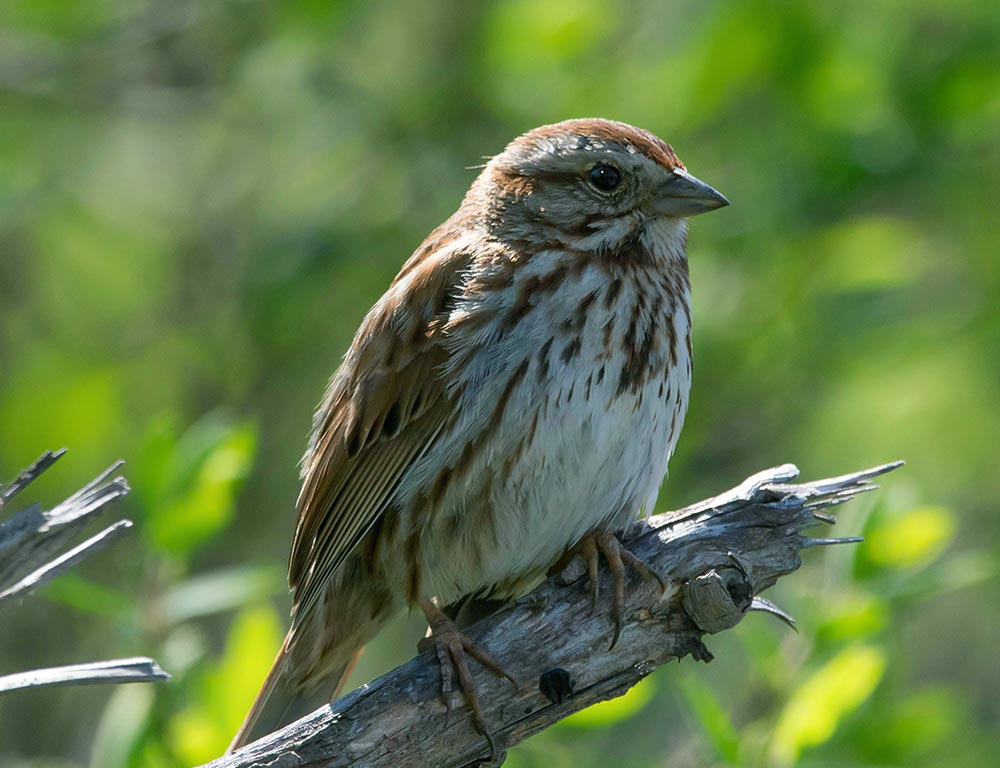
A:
x,y
684,195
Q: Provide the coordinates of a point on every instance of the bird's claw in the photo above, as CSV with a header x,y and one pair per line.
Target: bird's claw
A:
x,y
453,648
604,543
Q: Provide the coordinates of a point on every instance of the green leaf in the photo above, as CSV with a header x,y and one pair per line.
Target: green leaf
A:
x,y
527,32
712,716
914,726
870,253
852,616
89,596
184,647
219,591
614,710
829,695
959,571
202,730
122,725
911,539
150,467
208,468
194,737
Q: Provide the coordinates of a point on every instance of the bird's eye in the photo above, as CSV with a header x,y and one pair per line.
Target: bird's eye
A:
x,y
605,177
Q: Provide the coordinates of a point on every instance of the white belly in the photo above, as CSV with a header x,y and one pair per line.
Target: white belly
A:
x,y
571,449
587,468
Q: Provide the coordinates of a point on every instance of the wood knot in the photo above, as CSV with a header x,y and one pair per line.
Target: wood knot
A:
x,y
719,598
556,685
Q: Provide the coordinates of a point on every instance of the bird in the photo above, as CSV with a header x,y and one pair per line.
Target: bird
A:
x,y
510,401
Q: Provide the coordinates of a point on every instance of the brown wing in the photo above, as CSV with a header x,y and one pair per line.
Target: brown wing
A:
x,y
384,407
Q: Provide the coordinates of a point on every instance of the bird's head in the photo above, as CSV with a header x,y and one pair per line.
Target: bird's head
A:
x,y
591,183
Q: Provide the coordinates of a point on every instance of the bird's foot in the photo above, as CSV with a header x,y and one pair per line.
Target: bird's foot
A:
x,y
453,649
591,547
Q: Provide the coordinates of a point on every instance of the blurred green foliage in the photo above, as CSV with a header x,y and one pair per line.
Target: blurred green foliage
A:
x,y
200,200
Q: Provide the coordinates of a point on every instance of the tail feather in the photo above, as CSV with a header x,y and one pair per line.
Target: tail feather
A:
x,y
282,700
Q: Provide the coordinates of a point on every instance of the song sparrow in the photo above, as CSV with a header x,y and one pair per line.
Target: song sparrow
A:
x,y
515,393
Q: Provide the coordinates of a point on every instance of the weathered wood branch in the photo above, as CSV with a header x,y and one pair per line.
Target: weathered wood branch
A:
x,y
135,670
32,540
715,558
36,546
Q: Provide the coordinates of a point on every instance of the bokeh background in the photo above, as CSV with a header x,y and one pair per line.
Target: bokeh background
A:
x,y
200,200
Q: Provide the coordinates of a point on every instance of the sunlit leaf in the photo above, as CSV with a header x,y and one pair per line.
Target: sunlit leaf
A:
x,y
194,447
250,648
194,737
215,464
817,707
910,539
614,710
853,616
203,730
152,754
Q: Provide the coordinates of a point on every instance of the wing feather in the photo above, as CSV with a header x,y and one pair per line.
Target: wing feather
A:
x,y
383,410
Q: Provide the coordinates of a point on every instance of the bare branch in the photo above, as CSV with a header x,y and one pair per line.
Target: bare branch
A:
x,y
715,557
32,539
33,550
67,560
137,670
28,475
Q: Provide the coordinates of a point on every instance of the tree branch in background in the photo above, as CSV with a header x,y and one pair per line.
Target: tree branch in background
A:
x,y
715,558
35,548
137,670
